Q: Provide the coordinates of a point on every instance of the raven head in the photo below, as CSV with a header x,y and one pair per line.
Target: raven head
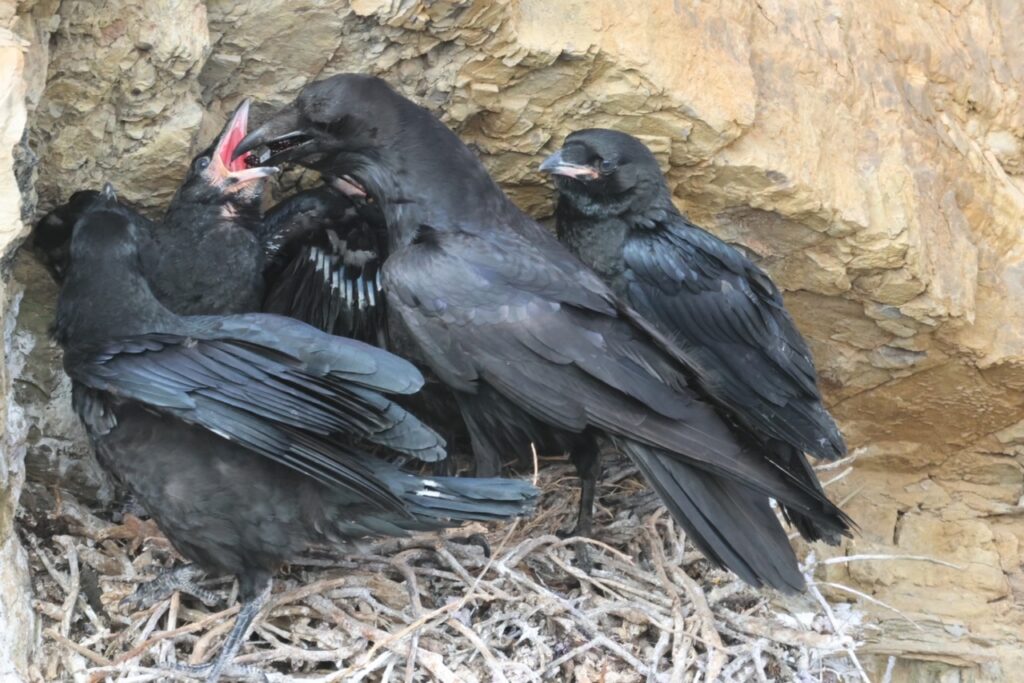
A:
x,y
601,171
218,176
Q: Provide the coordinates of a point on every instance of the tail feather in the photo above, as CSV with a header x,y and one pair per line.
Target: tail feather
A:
x,y
829,528
733,525
462,499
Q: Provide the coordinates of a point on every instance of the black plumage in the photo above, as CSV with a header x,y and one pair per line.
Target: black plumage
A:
x,y
206,255
615,212
519,327
247,437
51,238
325,250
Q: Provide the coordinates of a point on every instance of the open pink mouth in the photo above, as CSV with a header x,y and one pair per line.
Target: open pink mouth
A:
x,y
236,130
246,168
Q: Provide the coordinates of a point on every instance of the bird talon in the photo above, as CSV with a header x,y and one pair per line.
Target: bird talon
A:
x,y
238,671
478,540
178,579
584,558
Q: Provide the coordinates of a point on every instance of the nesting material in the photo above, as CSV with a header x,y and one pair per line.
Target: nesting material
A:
x,y
432,609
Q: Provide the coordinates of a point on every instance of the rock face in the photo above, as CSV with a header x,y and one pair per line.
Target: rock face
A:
x,y
16,615
870,154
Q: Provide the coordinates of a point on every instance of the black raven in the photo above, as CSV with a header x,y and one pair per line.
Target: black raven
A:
x,y
51,238
315,257
205,255
325,248
247,437
312,257
529,338
615,212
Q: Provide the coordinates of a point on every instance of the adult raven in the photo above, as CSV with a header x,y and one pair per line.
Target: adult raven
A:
x,y
248,437
529,338
615,212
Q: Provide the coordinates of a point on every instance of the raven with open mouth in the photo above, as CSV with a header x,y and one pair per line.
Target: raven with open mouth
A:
x,y
248,437
205,254
533,341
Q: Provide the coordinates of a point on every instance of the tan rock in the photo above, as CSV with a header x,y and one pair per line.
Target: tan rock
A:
x,y
15,606
868,154
136,98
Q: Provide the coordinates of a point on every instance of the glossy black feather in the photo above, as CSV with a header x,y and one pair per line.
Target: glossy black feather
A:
x,y
51,238
325,253
197,414
497,307
724,312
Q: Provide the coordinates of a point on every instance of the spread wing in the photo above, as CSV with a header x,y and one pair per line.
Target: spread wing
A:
x,y
325,255
729,317
285,391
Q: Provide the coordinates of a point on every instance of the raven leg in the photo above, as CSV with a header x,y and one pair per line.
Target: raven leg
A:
x,y
587,459
478,540
181,578
253,600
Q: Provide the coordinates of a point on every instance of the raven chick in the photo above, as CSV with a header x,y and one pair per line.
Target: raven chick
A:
x,y
51,238
615,212
532,340
247,437
205,255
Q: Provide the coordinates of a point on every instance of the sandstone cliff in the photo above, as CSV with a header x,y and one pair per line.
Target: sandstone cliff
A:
x,y
870,154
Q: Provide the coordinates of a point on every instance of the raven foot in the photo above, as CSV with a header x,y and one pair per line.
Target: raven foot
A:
x,y
181,578
236,671
222,665
584,560
473,539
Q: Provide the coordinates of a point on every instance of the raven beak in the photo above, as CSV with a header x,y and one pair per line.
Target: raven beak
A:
x,y
278,139
229,166
250,174
234,131
108,192
556,165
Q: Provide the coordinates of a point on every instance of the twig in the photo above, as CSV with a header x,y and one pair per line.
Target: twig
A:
x,y
73,583
481,647
842,559
93,657
871,599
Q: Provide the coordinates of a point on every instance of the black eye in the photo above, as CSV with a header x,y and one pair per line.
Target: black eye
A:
x,y
202,163
606,166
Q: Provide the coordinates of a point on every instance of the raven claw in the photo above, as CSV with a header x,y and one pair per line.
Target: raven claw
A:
x,y
181,579
473,539
249,673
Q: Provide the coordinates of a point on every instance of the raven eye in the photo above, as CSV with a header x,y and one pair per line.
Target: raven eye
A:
x,y
202,163
606,166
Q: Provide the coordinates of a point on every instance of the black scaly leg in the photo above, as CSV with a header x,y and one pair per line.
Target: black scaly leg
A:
x,y
254,594
181,578
586,456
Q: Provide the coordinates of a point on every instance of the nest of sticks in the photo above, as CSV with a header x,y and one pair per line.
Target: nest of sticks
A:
x,y
427,608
